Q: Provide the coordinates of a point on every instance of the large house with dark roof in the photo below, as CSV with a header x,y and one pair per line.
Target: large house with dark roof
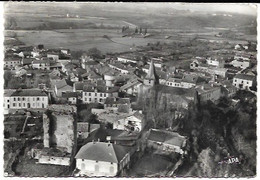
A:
x,y
102,159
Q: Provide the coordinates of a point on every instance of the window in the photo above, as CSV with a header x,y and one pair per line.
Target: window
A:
x,y
19,104
8,100
13,104
111,169
95,94
85,99
105,95
89,99
235,80
23,98
101,94
97,167
14,99
89,94
100,100
38,98
18,99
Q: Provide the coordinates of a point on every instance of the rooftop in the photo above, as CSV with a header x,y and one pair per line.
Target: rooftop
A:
x,y
101,151
29,92
245,76
167,137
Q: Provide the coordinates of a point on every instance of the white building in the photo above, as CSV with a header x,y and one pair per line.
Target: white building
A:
x,y
215,62
94,94
11,62
101,159
241,63
244,81
27,98
134,122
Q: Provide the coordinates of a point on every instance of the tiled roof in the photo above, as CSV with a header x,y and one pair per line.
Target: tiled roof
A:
x,y
245,76
70,94
112,100
29,92
192,79
174,90
167,137
101,151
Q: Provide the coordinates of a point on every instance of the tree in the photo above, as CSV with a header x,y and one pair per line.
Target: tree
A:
x,y
136,30
206,162
94,53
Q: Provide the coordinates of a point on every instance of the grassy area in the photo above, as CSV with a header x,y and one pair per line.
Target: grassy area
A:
x,y
150,165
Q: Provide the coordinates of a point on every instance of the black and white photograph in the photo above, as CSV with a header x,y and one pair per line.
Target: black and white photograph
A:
x,y
129,89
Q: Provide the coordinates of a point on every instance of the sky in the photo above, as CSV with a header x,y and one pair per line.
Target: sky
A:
x,y
246,8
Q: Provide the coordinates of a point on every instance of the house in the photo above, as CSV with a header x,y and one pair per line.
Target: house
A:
x,y
221,72
7,98
11,62
190,80
61,86
209,92
102,159
215,62
41,64
166,141
133,122
92,76
228,89
98,94
27,61
125,59
244,81
132,86
241,63
71,96
54,55
113,103
88,63
28,98
121,67
173,82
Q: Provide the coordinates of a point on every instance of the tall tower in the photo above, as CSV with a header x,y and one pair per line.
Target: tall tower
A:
x,y
151,78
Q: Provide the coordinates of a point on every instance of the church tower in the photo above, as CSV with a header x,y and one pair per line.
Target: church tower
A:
x,y
151,78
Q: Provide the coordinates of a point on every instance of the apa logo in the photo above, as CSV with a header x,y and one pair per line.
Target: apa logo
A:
x,y
233,160
230,160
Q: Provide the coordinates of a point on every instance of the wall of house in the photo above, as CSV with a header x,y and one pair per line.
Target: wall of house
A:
x,y
100,97
46,127
164,147
10,64
65,161
64,134
96,168
242,83
212,95
24,102
241,64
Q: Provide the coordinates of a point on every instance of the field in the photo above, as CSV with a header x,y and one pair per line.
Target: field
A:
x,y
150,165
84,39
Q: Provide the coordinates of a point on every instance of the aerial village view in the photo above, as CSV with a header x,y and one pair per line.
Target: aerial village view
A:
x,y
129,90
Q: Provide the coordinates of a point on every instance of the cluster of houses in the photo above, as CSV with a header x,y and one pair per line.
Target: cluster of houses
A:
x,y
117,84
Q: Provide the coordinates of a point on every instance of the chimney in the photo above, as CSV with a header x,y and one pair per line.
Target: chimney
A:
x,y
202,87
